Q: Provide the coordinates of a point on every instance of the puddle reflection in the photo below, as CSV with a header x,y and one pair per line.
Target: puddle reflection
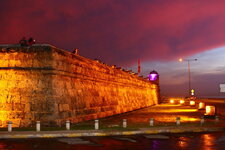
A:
x,y
183,142
209,141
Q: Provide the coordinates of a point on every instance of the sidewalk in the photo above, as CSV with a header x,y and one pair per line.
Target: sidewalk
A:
x,y
86,133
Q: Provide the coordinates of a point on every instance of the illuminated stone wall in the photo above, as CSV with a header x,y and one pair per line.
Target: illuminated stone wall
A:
x,y
52,85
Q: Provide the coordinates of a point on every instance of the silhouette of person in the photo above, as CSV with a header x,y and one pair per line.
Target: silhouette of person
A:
x,y
75,51
31,41
23,42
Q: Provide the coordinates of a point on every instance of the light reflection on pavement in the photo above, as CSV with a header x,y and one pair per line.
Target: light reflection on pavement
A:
x,y
165,113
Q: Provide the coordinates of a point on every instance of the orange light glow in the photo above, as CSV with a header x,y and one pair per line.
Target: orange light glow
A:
x,y
210,110
3,116
207,141
201,105
181,110
182,142
171,119
181,101
10,96
171,108
171,101
180,60
187,119
192,103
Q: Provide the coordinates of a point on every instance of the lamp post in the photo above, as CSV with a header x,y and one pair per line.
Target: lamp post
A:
x,y
189,73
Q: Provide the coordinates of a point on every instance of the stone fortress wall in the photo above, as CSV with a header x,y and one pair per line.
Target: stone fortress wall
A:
x,y
47,84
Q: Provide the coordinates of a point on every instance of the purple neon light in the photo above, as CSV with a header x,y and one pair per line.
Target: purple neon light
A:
x,y
153,77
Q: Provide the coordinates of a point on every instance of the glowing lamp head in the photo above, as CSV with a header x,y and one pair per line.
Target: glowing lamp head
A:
x,y
153,76
181,101
192,103
171,101
201,105
210,110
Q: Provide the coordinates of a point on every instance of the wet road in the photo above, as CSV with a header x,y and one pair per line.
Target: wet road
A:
x,y
162,113
196,141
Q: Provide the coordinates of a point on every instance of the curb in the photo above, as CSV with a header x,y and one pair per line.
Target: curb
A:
x,y
86,133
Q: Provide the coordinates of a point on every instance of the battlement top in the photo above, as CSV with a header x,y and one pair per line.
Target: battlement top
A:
x,y
18,46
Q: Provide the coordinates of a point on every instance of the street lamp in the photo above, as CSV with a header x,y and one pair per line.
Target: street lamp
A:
x,y
189,73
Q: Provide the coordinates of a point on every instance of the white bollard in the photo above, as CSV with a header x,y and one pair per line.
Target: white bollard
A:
x,y
151,122
202,121
178,121
38,126
96,124
217,119
67,125
10,126
124,123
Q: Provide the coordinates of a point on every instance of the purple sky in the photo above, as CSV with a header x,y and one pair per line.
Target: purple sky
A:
x,y
206,74
122,31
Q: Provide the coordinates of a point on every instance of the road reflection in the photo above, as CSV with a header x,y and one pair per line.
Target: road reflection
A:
x,y
2,146
183,142
188,141
155,145
208,141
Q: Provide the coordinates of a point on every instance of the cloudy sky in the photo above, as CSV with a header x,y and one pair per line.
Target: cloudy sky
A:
x,y
120,32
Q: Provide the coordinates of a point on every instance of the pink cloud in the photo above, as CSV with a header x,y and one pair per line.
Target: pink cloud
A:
x,y
118,32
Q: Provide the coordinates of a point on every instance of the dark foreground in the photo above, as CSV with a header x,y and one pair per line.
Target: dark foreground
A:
x,y
200,141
